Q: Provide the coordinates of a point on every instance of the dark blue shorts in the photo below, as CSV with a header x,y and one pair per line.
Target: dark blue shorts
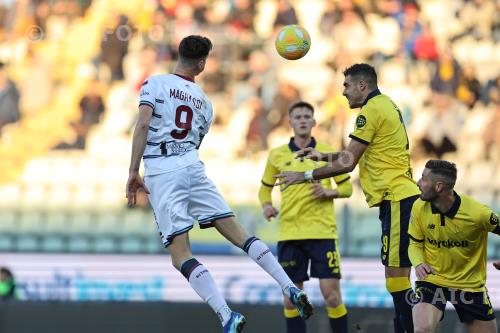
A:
x,y
295,255
469,305
395,218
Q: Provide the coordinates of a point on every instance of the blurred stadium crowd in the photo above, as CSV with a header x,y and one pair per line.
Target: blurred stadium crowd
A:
x,y
70,73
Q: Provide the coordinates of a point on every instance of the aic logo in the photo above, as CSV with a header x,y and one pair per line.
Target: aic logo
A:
x,y
448,243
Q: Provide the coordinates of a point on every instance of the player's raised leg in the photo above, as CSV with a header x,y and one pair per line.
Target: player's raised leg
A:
x,y
426,317
262,255
202,282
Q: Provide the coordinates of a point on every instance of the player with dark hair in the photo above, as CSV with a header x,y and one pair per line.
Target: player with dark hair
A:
x,y
308,230
448,242
380,144
174,116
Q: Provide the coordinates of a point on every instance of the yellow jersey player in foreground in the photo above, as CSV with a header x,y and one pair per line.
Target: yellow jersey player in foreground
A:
x,y
380,144
449,236
308,231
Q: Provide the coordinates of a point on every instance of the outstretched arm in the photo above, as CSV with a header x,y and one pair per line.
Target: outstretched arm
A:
x,y
344,162
315,155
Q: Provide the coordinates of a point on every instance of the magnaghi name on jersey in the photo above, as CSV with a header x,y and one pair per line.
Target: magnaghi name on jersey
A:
x,y
184,96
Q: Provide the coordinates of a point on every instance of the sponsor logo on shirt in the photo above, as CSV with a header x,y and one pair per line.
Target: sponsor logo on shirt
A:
x,y
448,243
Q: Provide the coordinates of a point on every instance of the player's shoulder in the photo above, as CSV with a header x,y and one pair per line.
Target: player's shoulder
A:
x,y
471,205
419,206
377,104
153,80
281,149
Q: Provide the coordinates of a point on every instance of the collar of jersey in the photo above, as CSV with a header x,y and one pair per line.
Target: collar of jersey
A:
x,y
374,93
184,77
452,211
293,147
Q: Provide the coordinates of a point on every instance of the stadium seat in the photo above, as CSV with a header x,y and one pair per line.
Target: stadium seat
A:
x,y
57,222
53,243
132,244
60,196
27,242
31,222
7,242
105,244
8,221
80,243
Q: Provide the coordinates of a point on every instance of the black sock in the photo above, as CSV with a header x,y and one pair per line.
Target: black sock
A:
x,y
402,303
339,325
296,325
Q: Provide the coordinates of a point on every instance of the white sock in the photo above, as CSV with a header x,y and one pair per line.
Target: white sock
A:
x,y
262,255
202,282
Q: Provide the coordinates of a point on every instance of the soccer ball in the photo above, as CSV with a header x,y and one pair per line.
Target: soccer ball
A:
x,y
293,42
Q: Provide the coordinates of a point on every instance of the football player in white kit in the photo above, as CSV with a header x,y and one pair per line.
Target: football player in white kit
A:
x,y
174,115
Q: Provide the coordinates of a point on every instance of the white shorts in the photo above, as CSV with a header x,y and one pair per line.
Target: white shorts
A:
x,y
181,197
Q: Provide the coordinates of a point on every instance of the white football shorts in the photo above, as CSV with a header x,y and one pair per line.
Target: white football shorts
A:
x,y
181,197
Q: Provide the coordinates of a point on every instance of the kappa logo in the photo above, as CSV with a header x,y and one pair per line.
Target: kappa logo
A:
x,y
360,121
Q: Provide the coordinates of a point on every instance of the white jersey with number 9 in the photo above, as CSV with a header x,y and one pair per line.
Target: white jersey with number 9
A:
x,y
182,115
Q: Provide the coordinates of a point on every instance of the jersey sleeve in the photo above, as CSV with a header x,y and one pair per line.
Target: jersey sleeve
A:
x,y
344,185
267,180
415,227
367,124
208,118
490,220
416,246
147,94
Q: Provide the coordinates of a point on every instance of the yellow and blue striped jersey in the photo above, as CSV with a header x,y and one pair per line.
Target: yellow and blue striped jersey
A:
x,y
453,243
384,168
302,216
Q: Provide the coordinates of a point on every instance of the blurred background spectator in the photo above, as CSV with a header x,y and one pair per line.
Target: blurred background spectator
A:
x,y
91,109
9,99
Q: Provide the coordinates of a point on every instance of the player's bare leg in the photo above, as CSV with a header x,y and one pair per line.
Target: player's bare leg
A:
x,y
336,310
479,326
180,250
262,255
202,282
398,284
426,317
232,231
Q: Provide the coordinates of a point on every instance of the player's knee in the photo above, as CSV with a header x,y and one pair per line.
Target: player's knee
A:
x,y
333,299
